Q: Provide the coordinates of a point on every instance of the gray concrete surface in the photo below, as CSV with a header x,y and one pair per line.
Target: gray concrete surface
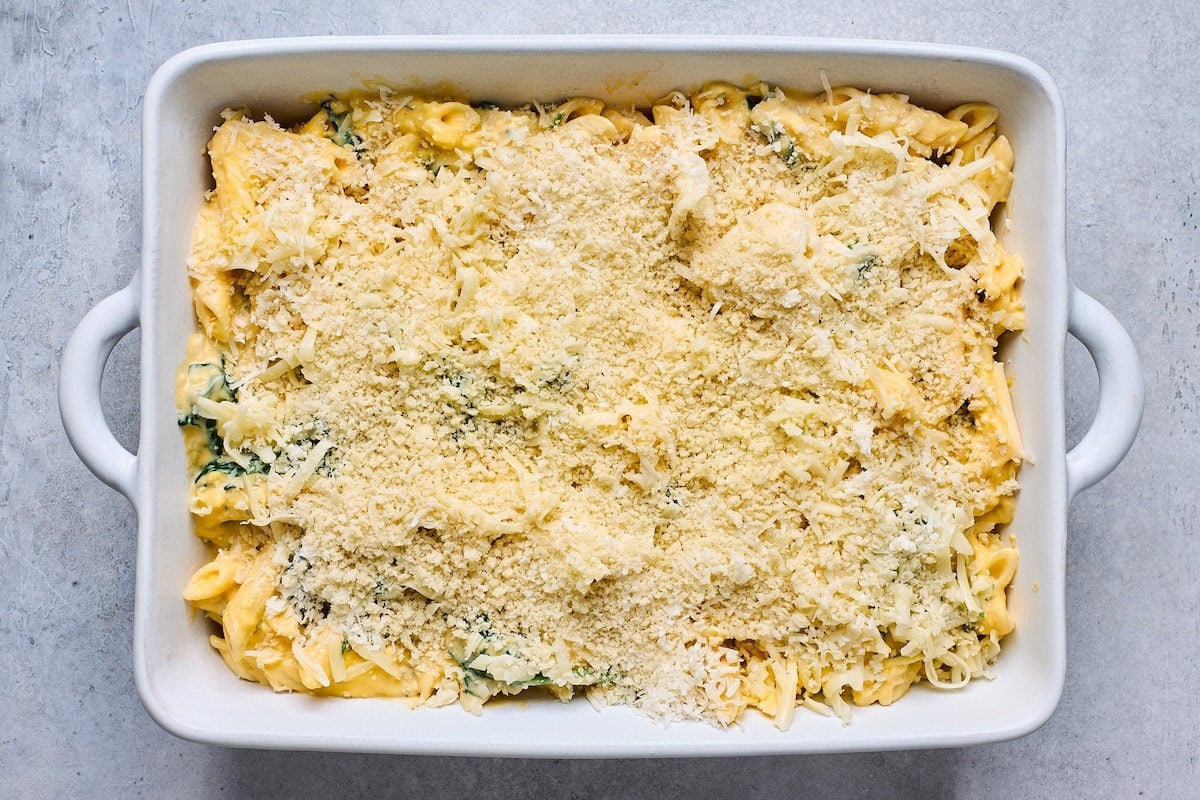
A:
x,y
71,82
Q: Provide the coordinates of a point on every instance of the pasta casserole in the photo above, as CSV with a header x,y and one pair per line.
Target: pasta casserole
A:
x,y
693,407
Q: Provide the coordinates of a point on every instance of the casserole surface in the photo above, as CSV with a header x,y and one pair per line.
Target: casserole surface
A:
x,y
605,409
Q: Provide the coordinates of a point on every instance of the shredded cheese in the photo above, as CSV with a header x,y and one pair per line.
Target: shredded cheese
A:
x,y
695,407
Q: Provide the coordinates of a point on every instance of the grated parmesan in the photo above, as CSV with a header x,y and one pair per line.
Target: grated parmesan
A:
x,y
694,408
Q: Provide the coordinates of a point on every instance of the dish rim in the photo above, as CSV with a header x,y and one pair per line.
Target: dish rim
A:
x,y
721,743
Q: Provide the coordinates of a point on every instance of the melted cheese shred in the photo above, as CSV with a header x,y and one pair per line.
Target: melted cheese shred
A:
x,y
694,407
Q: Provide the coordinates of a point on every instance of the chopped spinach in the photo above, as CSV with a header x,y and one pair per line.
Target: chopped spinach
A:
x,y
586,676
256,467
774,133
864,266
219,388
481,623
472,678
537,680
343,134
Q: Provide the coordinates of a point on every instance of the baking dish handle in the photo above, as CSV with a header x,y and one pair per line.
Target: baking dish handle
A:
x,y
1122,393
83,361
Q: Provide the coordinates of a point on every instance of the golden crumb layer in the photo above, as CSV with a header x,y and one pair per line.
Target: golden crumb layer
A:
x,y
696,407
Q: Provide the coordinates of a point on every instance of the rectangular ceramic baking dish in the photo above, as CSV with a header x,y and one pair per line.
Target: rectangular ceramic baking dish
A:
x,y
182,681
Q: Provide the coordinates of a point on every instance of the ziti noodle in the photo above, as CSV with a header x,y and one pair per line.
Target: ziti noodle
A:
x,y
694,407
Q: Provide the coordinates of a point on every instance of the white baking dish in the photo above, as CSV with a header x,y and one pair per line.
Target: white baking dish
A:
x,y
180,678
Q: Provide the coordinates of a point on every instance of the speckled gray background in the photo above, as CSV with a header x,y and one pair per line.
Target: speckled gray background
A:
x,y
71,81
